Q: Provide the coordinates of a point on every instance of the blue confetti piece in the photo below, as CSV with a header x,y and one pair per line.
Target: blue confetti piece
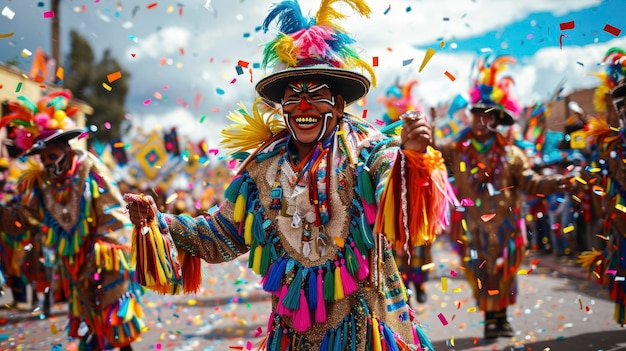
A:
x,y
408,9
256,65
239,70
219,91
407,62
580,63
57,347
387,10
246,35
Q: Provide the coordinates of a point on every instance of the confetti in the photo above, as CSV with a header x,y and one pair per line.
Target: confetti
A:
x,y
444,284
450,76
375,61
443,319
48,14
106,86
151,6
8,13
487,217
219,91
407,62
379,122
612,30
387,10
567,25
429,54
112,77
19,87
6,35
561,40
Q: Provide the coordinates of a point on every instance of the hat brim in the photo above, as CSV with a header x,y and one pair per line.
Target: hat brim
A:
x,y
350,85
59,136
503,117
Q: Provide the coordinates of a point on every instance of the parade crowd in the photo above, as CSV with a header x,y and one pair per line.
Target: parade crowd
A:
x,y
338,216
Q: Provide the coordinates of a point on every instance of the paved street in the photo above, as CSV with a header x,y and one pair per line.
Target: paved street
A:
x,y
558,309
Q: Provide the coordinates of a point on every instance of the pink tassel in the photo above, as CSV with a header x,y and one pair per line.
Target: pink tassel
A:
x,y
280,308
370,212
320,311
364,269
349,285
302,316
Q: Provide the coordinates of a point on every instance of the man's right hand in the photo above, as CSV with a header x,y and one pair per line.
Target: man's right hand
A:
x,y
141,208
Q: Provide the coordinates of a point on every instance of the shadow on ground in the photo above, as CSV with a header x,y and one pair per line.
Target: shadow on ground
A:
x,y
605,341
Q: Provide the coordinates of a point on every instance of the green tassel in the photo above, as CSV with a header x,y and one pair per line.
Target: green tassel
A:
x,y
253,246
329,285
292,298
366,232
365,185
266,258
352,264
356,236
232,191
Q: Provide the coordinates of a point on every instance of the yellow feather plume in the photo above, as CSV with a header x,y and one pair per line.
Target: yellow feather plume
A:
x,y
589,258
249,131
326,14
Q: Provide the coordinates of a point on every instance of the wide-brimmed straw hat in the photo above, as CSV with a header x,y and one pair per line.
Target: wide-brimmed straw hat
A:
x,y
313,48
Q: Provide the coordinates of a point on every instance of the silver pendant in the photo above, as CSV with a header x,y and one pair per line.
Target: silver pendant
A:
x,y
306,248
296,221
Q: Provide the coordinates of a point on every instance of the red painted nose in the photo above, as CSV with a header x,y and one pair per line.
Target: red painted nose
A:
x,y
304,104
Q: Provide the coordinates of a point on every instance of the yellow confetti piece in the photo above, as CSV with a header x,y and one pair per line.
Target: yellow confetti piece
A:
x,y
620,207
462,167
106,86
452,341
171,198
60,73
568,229
429,54
192,302
522,271
428,266
53,328
444,284
594,170
7,35
580,180
456,290
471,309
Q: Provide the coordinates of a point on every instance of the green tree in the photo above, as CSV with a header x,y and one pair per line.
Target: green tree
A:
x,y
85,77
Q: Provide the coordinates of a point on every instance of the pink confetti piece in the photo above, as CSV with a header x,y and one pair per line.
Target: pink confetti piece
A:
x,y
453,273
48,14
147,102
443,319
214,151
467,202
379,122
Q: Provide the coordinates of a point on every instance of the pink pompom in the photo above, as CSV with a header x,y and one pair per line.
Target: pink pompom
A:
x,y
474,94
23,139
42,119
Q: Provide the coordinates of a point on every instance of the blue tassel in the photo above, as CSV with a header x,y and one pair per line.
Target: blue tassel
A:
x,y
338,340
276,339
324,345
423,339
344,337
312,295
123,306
275,275
257,228
292,299
331,339
390,340
232,191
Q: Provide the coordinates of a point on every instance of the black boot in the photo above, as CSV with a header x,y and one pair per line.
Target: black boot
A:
x,y
504,327
491,326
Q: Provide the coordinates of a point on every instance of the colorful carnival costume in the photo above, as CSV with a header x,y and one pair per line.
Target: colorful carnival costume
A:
x,y
490,175
608,186
308,223
84,222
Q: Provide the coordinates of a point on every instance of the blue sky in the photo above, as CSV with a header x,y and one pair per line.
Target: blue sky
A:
x,y
178,53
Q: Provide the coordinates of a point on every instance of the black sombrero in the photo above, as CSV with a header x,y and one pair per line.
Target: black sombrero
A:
x,y
618,93
503,117
48,137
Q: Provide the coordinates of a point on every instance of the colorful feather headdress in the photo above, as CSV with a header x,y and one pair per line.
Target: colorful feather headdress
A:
x,y
36,123
492,93
313,48
614,73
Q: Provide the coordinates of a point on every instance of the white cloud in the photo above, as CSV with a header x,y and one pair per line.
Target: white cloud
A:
x,y
163,43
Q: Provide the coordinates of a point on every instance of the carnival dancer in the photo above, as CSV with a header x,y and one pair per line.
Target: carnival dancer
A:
x,y
491,174
607,178
70,193
320,202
